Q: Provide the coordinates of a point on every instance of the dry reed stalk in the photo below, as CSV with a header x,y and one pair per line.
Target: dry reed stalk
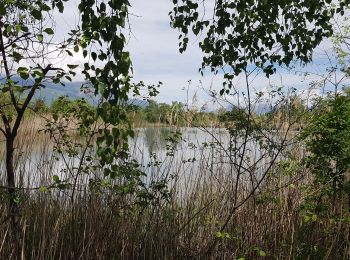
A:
x,y
104,225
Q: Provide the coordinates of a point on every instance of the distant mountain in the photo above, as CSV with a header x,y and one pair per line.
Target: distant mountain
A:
x,y
263,108
138,102
73,91
52,91
259,109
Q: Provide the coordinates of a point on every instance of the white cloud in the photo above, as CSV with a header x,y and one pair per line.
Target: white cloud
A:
x,y
154,51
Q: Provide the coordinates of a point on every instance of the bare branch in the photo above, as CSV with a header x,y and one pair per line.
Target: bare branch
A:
x,y
7,71
9,44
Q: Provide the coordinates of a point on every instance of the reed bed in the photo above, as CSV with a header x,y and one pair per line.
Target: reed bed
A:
x,y
195,221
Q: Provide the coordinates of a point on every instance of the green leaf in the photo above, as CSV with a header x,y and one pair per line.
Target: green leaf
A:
x,y
219,234
18,28
49,31
262,253
9,28
40,37
71,66
56,178
45,7
94,55
43,189
17,56
24,28
2,9
23,72
60,6
36,14
56,80
102,7
5,89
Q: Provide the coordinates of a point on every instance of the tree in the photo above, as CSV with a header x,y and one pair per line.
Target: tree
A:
x,y
29,46
23,38
328,141
242,38
241,33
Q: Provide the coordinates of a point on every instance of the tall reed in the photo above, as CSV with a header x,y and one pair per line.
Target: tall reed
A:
x,y
186,223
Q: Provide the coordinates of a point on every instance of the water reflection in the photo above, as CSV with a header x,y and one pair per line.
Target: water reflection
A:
x,y
153,138
200,156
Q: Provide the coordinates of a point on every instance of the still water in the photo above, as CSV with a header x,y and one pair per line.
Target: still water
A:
x,y
197,156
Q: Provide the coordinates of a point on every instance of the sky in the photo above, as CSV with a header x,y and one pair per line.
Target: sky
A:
x,y
153,45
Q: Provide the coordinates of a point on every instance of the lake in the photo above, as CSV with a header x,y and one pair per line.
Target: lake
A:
x,y
199,156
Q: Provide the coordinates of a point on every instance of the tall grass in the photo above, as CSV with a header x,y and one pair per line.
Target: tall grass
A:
x,y
100,223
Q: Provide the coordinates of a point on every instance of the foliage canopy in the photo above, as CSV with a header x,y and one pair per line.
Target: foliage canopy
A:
x,y
236,34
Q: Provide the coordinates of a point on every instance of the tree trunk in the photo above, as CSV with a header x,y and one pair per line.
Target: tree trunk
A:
x,y
11,177
13,207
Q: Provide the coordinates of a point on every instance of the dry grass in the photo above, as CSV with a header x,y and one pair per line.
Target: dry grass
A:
x,y
102,224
